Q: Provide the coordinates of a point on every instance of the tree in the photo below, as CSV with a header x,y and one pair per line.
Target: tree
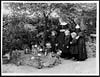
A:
x,y
43,15
39,10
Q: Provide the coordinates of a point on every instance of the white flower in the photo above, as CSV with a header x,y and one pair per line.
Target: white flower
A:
x,y
70,42
67,46
35,45
48,44
32,57
39,54
41,49
59,52
56,44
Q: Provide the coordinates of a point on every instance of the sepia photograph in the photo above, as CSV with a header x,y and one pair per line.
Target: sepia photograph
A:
x,y
49,38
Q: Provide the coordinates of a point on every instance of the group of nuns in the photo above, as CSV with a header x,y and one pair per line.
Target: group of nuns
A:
x,y
70,43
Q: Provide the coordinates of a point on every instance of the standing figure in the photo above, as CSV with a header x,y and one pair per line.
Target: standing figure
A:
x,y
60,40
66,53
61,36
73,46
48,48
82,54
53,41
34,49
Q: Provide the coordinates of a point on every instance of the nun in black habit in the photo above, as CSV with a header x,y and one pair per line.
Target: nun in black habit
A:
x,y
82,53
61,37
60,40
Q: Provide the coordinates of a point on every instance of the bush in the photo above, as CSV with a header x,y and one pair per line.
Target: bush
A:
x,y
15,36
91,49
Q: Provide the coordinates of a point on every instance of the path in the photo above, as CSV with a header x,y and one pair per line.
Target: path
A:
x,y
67,67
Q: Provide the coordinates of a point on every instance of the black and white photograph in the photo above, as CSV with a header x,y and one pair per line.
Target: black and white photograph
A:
x,y
49,38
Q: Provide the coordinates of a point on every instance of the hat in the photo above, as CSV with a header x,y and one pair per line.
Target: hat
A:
x,y
62,22
77,26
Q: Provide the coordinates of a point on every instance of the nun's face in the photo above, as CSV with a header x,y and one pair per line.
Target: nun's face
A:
x,y
73,34
67,32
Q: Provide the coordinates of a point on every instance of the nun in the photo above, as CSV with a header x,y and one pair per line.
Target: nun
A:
x,y
61,37
82,53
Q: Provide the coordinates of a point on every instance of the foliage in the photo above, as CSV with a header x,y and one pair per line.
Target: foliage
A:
x,y
91,49
20,58
39,15
15,36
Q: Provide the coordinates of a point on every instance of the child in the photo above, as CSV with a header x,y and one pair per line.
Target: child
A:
x,y
73,46
53,40
48,48
34,49
66,52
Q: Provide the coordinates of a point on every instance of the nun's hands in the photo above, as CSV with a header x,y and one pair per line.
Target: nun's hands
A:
x,y
77,37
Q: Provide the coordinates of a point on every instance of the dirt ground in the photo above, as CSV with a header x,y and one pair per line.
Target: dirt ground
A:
x,y
68,67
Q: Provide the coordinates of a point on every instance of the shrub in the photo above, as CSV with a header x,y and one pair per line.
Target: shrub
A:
x,y
15,36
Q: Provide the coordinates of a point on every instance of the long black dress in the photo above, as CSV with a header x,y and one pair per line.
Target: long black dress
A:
x,y
60,41
66,53
82,53
74,48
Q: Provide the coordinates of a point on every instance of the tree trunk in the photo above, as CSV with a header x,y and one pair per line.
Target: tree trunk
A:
x,y
45,28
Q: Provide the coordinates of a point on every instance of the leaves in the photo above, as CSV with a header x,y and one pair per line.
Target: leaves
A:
x,y
43,16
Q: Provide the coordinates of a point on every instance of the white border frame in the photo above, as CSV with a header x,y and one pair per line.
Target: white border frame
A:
x,y
97,34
